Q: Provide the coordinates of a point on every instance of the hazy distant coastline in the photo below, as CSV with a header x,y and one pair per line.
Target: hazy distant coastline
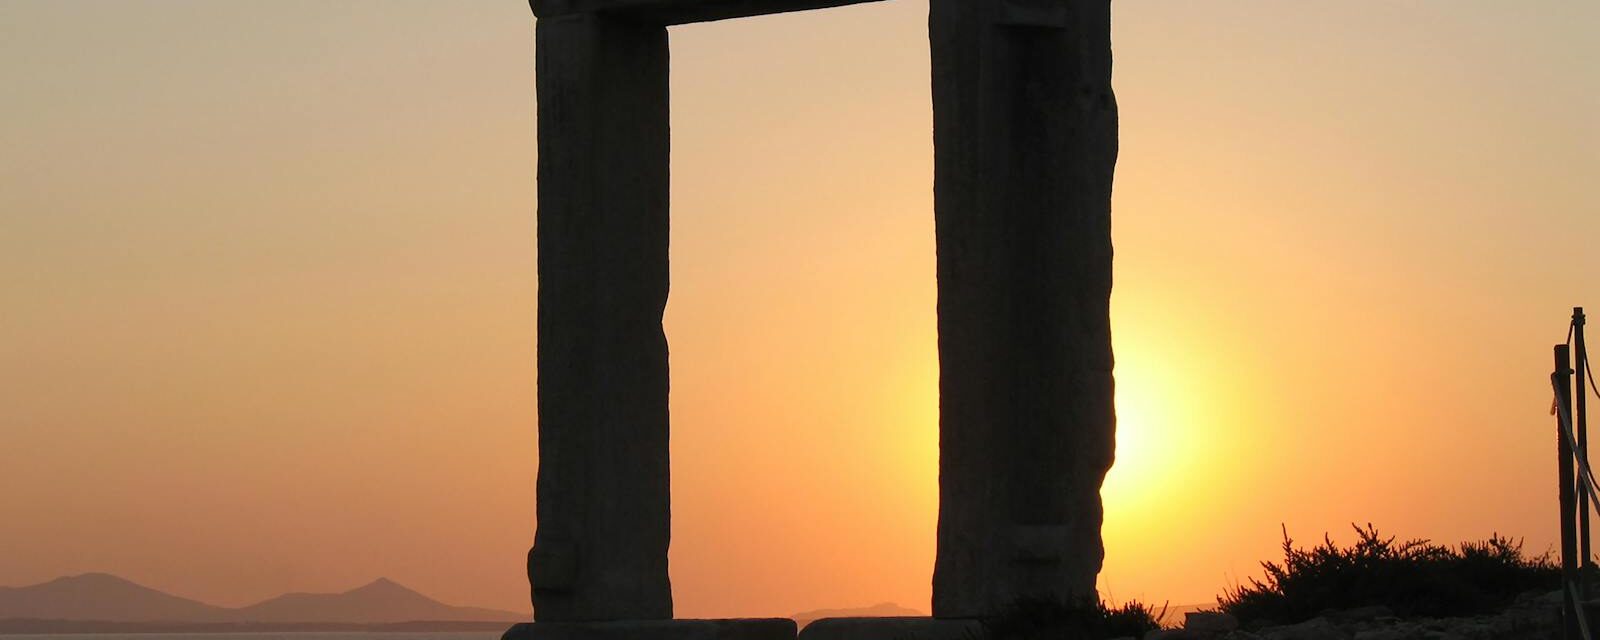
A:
x,y
41,627
104,603
100,603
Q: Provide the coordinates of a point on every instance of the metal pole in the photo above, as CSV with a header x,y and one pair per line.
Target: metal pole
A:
x,y
1567,493
1581,418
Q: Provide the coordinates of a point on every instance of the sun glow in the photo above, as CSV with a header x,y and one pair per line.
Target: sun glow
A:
x,y
1151,440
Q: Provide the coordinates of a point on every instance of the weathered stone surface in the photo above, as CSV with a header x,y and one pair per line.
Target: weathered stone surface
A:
x,y
1314,629
729,629
1361,614
1176,634
1527,619
600,552
1025,142
670,12
1210,621
906,628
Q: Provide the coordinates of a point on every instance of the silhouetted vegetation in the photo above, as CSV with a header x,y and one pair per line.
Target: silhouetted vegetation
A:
x,y
1412,578
1133,619
1095,619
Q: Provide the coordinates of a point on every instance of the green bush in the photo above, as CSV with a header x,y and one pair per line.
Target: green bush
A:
x,y
1412,578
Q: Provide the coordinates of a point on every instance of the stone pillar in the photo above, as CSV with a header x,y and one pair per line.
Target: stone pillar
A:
x,y
601,548
1025,141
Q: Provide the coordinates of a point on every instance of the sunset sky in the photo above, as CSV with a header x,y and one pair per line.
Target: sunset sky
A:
x,y
267,291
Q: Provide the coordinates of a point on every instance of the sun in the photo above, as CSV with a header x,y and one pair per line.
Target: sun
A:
x,y
1151,438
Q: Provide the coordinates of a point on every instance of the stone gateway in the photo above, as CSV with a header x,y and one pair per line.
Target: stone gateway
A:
x,y
1025,142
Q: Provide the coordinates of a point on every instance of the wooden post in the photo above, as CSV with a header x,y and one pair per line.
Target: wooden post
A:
x,y
1569,534
1580,420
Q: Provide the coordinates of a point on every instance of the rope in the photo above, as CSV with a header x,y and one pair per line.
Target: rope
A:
x,y
1583,621
1565,420
1586,369
1583,355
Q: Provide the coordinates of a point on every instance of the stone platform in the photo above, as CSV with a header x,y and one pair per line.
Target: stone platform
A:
x,y
727,629
892,628
908,628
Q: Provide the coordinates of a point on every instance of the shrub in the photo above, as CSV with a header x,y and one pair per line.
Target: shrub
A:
x,y
1132,619
1091,619
1412,578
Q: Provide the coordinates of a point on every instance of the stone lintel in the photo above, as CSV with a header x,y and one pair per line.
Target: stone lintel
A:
x,y
893,628
728,629
671,12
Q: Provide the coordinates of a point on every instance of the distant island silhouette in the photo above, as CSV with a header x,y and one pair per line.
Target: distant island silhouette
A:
x,y
100,602
105,603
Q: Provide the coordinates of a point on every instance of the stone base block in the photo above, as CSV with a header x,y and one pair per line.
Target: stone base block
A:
x,y
908,628
731,629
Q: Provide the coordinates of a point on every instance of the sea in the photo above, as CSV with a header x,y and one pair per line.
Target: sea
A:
x,y
268,635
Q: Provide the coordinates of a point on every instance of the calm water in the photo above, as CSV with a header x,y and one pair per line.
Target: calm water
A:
x,y
268,635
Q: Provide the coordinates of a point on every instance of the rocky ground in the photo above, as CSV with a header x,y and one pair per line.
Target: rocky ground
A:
x,y
1532,617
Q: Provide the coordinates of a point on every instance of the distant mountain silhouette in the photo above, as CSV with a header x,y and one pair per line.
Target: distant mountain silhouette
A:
x,y
100,596
104,597
381,601
881,610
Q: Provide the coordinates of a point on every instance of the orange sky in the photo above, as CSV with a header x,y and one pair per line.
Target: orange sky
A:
x,y
267,282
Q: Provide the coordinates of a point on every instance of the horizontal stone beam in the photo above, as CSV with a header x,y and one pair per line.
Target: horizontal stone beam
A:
x,y
670,12
895,628
725,629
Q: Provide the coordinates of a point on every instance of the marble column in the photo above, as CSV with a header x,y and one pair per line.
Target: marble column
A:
x,y
600,552
1025,141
